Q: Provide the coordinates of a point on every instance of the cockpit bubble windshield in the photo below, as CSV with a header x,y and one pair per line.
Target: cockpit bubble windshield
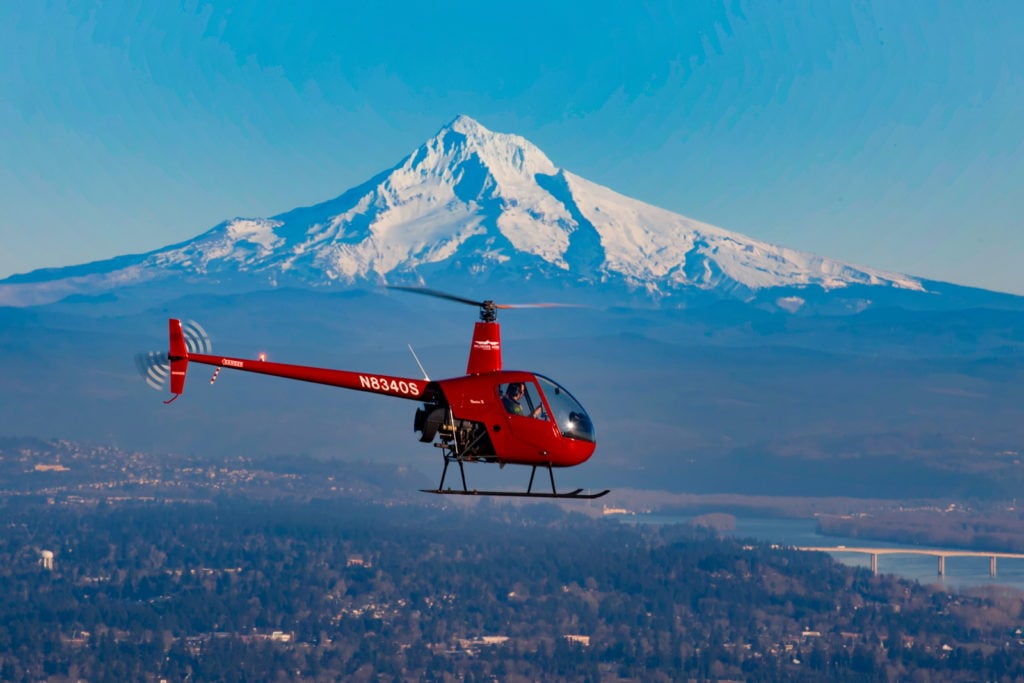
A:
x,y
572,419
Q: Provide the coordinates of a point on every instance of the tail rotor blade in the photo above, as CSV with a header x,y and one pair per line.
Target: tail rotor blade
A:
x,y
154,367
196,338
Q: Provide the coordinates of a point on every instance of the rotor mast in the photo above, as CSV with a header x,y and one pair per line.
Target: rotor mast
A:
x,y
485,351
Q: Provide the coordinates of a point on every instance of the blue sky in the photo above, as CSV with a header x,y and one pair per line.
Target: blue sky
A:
x,y
887,134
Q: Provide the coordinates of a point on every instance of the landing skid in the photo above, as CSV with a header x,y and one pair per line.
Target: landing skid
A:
x,y
576,494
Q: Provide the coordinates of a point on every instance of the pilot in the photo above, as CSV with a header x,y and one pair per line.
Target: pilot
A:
x,y
513,397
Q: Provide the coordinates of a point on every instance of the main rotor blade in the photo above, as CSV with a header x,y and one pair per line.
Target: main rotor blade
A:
x,y
462,300
539,306
438,294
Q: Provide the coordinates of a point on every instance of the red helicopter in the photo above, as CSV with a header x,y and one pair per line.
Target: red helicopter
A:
x,y
490,415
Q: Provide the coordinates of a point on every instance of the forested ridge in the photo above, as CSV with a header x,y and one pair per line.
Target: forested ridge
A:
x,y
326,589
204,569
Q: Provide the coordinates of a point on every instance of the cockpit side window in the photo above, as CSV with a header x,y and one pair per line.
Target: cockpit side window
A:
x,y
522,398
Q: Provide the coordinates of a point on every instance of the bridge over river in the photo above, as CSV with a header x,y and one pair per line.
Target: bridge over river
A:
x,y
934,552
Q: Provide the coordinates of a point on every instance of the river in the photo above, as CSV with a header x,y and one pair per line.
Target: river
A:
x,y
961,572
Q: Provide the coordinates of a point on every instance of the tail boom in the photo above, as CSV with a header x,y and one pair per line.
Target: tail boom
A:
x,y
399,387
189,343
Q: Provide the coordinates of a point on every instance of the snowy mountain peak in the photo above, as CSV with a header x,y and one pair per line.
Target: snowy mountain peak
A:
x,y
472,204
466,152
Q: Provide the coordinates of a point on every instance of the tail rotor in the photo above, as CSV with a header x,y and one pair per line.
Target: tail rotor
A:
x,y
157,367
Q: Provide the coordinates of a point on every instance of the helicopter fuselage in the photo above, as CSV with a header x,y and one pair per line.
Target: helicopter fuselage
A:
x,y
546,426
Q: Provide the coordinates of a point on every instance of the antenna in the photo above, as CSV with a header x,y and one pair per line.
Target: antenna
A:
x,y
416,358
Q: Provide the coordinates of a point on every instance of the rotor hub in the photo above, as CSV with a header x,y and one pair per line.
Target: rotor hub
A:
x,y
488,311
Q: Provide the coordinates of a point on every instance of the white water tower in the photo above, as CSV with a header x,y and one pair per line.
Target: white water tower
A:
x,y
46,559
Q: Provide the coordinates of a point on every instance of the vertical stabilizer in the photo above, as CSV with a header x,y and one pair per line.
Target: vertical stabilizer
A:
x,y
178,356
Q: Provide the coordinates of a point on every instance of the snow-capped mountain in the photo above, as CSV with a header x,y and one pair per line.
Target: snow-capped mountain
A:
x,y
472,203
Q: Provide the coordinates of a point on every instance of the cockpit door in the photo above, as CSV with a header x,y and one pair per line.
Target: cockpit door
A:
x,y
526,416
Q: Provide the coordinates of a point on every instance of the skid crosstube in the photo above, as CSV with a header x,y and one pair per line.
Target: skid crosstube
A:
x,y
450,457
574,495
